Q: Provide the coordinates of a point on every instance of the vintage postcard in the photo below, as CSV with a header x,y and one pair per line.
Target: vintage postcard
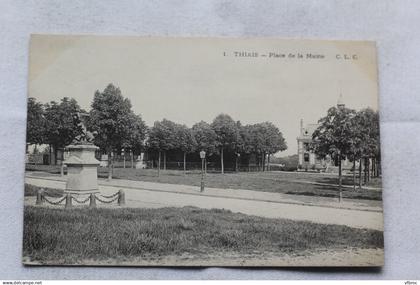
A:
x,y
146,151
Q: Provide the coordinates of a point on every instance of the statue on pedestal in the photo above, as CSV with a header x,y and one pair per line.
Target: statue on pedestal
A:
x,y
85,137
81,163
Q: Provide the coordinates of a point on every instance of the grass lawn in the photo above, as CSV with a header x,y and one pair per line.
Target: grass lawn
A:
x,y
72,236
32,190
278,182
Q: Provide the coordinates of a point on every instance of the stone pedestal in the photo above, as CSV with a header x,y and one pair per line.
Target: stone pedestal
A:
x,y
82,172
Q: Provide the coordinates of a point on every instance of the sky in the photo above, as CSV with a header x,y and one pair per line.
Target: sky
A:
x,y
187,80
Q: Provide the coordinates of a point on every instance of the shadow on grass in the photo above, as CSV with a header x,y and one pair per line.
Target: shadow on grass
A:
x,y
333,192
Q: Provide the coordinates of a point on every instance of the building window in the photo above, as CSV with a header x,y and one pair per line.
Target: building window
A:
x,y
306,157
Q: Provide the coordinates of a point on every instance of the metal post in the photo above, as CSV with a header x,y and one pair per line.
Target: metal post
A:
x,y
68,201
40,197
121,197
92,203
124,157
205,166
202,175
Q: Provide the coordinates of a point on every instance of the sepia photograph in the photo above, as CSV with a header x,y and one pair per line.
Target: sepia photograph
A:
x,y
160,151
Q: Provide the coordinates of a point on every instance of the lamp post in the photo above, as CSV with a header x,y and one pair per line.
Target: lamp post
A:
x,y
202,156
238,156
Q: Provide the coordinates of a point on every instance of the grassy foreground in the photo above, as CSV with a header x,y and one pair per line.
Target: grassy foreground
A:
x,y
59,236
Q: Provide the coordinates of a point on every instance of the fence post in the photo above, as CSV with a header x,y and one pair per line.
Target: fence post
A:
x,y
92,203
68,201
121,197
40,197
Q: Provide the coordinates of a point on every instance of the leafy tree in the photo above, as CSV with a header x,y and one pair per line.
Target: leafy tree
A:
x,y
35,124
366,139
137,134
62,123
227,134
162,137
185,141
135,142
246,143
333,136
205,137
356,146
274,141
266,139
238,145
111,117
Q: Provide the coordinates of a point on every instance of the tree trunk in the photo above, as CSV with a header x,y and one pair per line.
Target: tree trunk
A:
x,y
221,161
236,163
55,155
164,160
35,152
354,173
268,162
364,171
368,169
257,162
265,161
50,158
205,166
132,159
360,173
373,167
124,159
185,166
340,179
159,164
109,164
261,163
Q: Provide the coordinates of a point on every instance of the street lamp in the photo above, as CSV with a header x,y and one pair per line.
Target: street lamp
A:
x,y
202,156
238,156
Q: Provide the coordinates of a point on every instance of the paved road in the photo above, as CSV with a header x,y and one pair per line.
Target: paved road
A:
x,y
271,205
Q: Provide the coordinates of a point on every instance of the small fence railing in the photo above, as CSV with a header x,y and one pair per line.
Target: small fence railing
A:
x,y
43,197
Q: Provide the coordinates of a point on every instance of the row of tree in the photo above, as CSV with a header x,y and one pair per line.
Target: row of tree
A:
x,y
223,134
55,124
117,127
346,133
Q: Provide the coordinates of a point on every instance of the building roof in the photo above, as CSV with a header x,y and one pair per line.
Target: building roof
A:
x,y
307,131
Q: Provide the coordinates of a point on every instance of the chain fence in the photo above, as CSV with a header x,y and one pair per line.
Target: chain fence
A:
x,y
110,196
92,198
56,202
106,202
80,201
